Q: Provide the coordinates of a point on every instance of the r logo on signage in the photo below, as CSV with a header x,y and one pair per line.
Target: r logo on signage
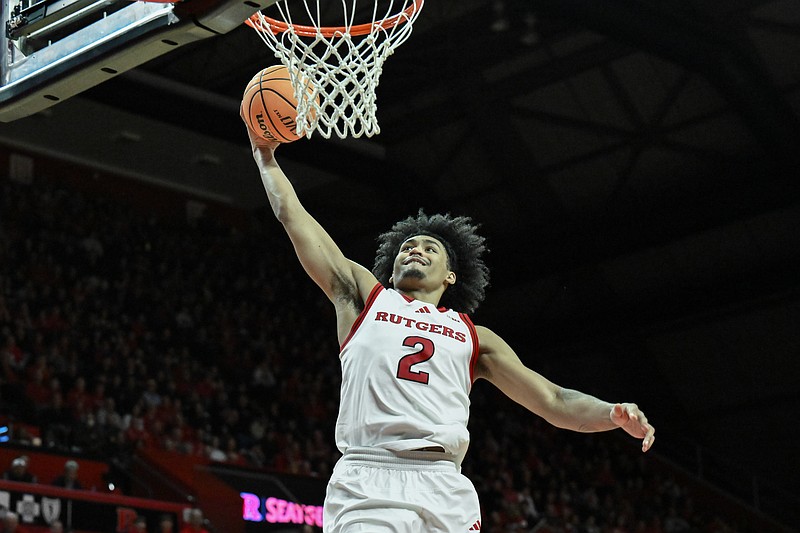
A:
x,y
125,518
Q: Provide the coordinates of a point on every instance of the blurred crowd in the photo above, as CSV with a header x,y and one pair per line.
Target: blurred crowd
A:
x,y
122,330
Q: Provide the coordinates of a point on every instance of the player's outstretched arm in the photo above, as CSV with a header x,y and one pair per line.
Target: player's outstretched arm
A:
x,y
564,408
343,281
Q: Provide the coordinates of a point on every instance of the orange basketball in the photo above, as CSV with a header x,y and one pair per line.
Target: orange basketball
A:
x,y
270,106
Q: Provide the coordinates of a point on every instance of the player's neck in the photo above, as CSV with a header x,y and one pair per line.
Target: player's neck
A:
x,y
430,297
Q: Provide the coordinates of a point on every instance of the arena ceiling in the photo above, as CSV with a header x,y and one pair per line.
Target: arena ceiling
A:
x,y
633,163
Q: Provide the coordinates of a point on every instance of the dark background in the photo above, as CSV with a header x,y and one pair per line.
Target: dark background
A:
x,y
634,165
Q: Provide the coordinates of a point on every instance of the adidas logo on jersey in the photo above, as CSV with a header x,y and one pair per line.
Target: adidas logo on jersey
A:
x,y
423,309
476,526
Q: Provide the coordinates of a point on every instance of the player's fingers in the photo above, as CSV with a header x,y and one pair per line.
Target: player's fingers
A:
x,y
649,437
648,441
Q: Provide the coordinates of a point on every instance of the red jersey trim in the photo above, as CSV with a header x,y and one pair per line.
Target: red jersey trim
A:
x,y
373,294
476,347
409,299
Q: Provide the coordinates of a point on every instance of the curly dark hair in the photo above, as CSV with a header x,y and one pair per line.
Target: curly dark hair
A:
x,y
464,250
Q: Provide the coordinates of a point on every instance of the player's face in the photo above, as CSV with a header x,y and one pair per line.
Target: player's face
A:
x,y
421,259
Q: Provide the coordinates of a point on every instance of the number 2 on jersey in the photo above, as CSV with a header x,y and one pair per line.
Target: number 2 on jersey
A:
x,y
425,352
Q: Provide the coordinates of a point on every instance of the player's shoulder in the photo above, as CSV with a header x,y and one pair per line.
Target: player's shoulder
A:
x,y
489,340
365,281
352,287
483,330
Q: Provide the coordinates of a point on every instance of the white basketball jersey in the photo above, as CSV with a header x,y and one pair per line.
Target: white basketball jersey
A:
x,y
407,370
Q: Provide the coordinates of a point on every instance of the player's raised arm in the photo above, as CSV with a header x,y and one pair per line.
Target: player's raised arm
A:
x,y
345,283
564,408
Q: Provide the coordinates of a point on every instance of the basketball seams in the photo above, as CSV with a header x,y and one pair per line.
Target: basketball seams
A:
x,y
278,128
272,129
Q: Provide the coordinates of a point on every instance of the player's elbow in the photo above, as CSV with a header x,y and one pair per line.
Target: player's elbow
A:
x,y
557,411
280,211
284,209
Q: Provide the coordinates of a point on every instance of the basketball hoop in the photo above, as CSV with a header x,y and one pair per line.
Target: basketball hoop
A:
x,y
335,69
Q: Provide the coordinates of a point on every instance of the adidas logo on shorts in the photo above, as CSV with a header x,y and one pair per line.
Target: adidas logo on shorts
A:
x,y
476,526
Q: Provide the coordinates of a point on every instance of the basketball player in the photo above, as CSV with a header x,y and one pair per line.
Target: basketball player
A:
x,y
409,355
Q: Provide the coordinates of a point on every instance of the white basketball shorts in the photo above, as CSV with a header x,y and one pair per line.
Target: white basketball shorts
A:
x,y
377,491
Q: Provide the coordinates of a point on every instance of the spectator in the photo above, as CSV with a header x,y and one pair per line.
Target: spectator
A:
x,y
151,396
674,522
36,389
166,524
56,420
8,371
10,524
16,357
69,479
19,471
139,525
78,399
194,523
214,451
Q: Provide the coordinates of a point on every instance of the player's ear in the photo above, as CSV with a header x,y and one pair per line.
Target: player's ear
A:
x,y
391,280
451,278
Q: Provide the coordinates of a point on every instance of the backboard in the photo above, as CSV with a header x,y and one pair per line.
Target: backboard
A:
x,y
54,49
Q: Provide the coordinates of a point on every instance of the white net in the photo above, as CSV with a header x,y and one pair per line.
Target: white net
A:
x,y
335,68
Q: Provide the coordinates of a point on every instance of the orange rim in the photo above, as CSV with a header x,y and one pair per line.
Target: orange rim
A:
x,y
279,26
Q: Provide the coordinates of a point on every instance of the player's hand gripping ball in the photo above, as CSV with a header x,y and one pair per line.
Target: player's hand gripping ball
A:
x,y
269,105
